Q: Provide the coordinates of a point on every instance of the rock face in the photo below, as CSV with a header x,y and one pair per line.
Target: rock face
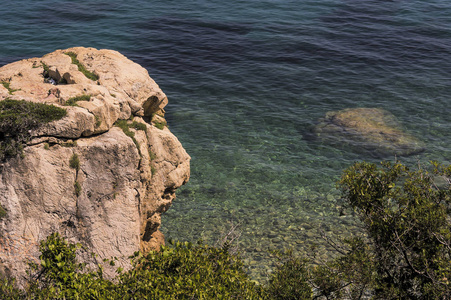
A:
x,y
372,129
111,200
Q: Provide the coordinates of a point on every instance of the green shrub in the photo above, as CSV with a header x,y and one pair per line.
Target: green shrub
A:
x,y
74,162
2,212
9,290
69,144
290,280
180,271
17,118
6,85
77,188
406,216
139,126
73,101
98,121
152,155
160,125
81,67
187,271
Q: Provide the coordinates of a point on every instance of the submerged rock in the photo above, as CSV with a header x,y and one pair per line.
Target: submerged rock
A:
x,y
95,182
370,129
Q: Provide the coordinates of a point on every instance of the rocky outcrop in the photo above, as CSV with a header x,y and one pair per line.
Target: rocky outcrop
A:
x,y
104,173
370,129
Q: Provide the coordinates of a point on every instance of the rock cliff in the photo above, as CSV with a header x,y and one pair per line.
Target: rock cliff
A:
x,y
103,174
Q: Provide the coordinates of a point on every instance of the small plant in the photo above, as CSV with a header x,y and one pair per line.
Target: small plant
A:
x,y
46,146
7,86
138,126
69,144
153,170
77,188
2,212
123,124
46,69
74,162
152,155
81,67
73,101
98,121
160,125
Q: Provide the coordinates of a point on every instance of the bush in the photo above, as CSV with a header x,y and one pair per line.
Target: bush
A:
x,y
290,280
77,188
2,212
74,162
187,271
17,118
73,101
181,271
406,216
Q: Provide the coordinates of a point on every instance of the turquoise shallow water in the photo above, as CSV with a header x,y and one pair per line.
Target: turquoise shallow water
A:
x,y
247,80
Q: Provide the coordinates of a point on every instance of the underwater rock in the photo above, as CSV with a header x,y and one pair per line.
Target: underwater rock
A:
x,y
371,129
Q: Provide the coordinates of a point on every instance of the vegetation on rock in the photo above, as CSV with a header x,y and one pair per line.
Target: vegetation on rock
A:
x,y
160,125
7,86
2,212
74,162
18,118
73,101
125,126
81,67
77,188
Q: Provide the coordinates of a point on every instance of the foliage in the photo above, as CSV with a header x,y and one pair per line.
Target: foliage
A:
x,y
187,271
404,254
60,276
123,124
138,126
152,155
405,214
2,212
73,101
181,271
77,188
9,290
160,125
350,276
7,86
69,144
17,118
81,67
290,279
74,162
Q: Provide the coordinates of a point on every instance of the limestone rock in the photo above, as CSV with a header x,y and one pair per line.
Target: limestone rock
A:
x,y
371,129
113,200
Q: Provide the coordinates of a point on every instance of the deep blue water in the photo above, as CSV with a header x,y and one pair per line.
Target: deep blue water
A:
x,y
246,81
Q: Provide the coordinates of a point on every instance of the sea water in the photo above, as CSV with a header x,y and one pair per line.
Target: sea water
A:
x,y
246,81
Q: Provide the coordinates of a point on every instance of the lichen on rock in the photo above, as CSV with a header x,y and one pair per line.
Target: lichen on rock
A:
x,y
370,129
112,195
